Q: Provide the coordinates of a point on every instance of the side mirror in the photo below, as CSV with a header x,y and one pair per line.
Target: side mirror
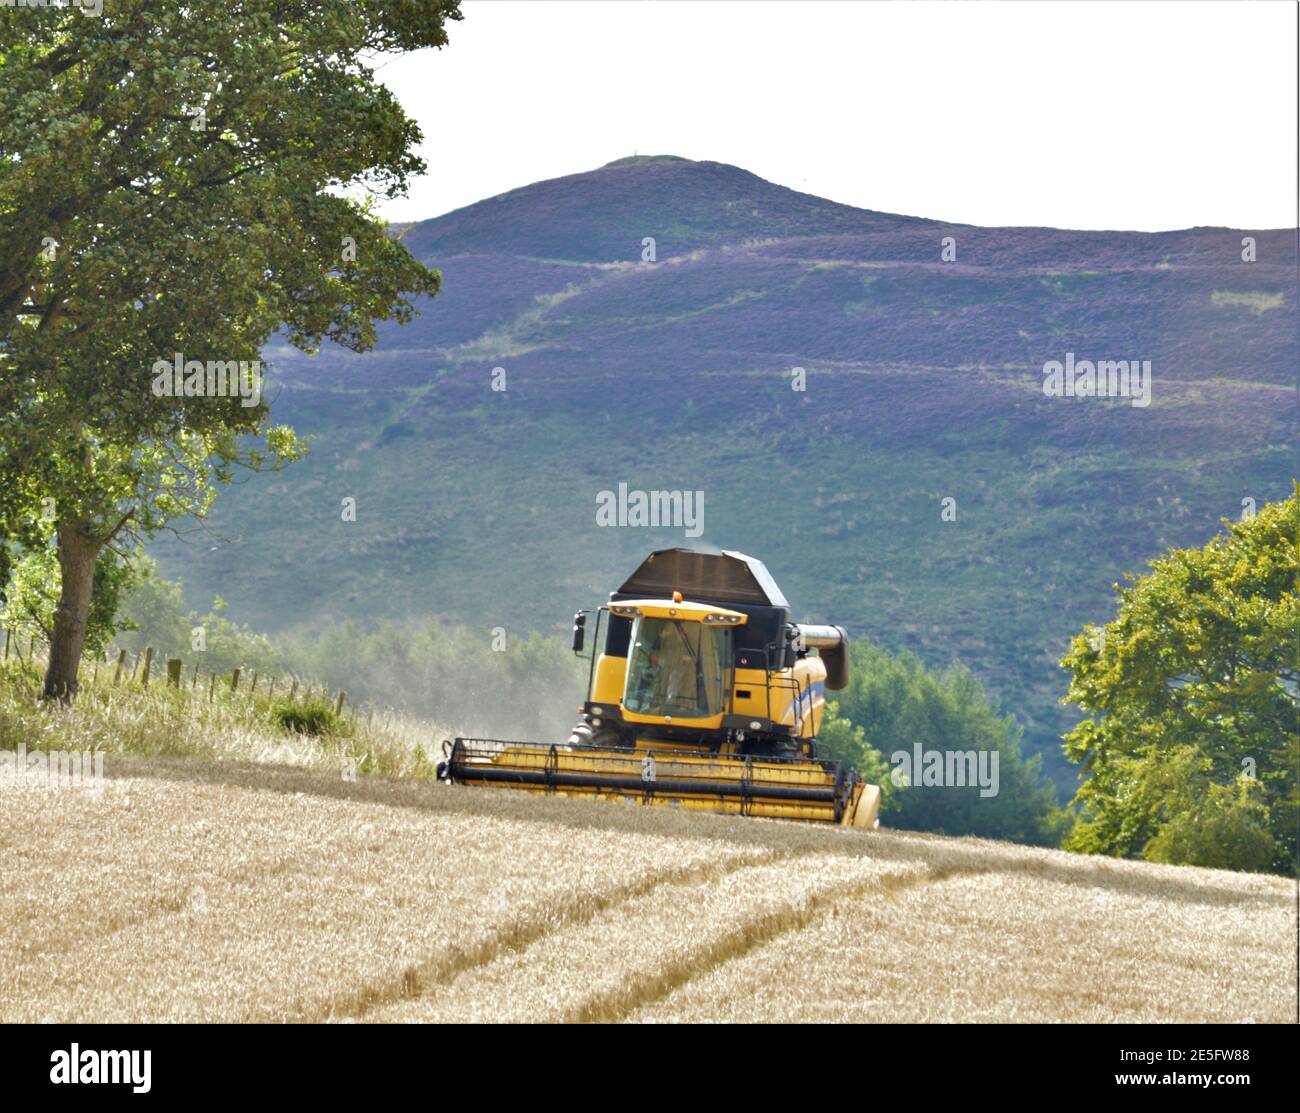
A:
x,y
794,647
579,631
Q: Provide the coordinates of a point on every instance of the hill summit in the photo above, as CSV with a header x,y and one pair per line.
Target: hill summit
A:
x,y
592,216
643,160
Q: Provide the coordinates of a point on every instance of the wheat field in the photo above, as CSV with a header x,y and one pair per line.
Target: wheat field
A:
x,y
233,891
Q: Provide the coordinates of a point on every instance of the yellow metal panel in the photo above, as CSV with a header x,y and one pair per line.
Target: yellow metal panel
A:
x,y
753,681
608,685
713,722
866,807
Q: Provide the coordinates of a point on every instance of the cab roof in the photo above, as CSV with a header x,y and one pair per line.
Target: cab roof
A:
x,y
727,577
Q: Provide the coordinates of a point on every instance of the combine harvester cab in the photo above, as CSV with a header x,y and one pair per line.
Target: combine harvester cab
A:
x,y
704,696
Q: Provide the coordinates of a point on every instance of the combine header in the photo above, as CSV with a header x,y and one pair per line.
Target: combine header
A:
x,y
704,696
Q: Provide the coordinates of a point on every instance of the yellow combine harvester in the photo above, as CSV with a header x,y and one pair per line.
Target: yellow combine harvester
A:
x,y
704,696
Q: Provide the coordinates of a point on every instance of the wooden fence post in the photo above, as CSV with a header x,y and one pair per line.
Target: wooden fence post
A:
x,y
8,635
174,666
253,689
194,681
148,661
234,680
212,686
338,706
121,663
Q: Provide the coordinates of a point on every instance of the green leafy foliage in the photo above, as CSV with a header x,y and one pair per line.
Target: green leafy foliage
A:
x,y
1193,693
169,189
313,715
31,594
1223,826
897,703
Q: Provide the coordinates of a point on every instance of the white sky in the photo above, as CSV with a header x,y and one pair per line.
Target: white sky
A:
x,y
1150,116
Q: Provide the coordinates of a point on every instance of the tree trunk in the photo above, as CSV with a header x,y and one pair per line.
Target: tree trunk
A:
x,y
77,555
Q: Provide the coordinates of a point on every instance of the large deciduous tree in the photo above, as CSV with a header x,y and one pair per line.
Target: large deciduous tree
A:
x,y
179,181
1192,745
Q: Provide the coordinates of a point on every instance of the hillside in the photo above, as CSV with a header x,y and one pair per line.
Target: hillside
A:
x,y
190,891
923,382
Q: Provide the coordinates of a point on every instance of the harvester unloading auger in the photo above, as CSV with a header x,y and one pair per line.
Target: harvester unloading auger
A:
x,y
704,696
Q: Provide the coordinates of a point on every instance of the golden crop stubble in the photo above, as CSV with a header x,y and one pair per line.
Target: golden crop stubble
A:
x,y
203,891
1099,946
642,948
221,902
82,865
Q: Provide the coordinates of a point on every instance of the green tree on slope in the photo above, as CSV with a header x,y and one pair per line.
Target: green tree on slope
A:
x,y
170,180
1192,744
897,703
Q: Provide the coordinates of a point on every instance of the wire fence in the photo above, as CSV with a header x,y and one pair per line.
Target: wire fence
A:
x,y
143,668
